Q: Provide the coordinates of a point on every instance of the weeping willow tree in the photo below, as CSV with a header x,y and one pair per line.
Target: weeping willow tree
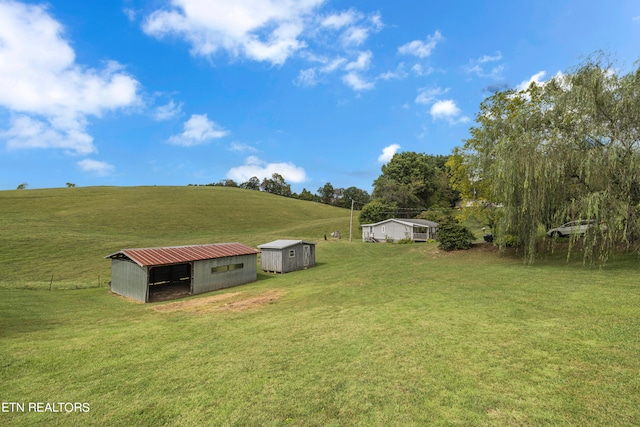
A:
x,y
564,150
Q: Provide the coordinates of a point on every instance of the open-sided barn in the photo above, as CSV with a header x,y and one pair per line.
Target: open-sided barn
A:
x,y
139,273
283,256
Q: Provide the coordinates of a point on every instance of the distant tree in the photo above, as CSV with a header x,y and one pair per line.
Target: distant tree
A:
x,y
70,185
276,185
377,210
252,184
227,183
307,195
22,186
360,197
326,193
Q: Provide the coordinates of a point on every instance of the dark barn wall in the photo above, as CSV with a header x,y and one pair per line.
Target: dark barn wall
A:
x,y
220,273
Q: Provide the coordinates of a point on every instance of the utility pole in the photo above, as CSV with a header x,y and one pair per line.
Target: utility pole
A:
x,y
351,223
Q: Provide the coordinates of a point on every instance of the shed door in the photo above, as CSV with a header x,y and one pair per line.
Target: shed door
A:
x,y
306,255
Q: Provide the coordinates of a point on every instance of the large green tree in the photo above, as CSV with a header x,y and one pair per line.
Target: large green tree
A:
x,y
563,150
359,196
377,210
414,181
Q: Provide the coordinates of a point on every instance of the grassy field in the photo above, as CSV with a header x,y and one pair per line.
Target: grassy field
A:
x,y
375,334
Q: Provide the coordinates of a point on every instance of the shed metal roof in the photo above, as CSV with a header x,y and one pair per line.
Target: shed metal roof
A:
x,y
147,257
282,244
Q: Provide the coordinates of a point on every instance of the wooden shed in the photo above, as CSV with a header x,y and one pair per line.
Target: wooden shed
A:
x,y
144,274
283,256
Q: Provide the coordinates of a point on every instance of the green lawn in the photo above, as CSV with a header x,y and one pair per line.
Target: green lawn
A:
x,y
375,334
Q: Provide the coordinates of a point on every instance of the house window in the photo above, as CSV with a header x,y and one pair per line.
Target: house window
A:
x,y
225,268
383,230
292,253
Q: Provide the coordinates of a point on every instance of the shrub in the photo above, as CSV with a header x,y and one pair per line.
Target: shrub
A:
x,y
507,240
454,236
404,241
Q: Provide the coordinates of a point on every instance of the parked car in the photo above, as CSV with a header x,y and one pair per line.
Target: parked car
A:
x,y
572,227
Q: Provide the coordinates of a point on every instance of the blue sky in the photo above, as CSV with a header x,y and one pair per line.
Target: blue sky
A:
x,y
172,92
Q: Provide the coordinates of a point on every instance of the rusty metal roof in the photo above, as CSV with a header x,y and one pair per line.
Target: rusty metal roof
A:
x,y
146,257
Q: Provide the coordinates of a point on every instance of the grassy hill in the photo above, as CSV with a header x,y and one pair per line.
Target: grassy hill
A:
x,y
65,233
373,335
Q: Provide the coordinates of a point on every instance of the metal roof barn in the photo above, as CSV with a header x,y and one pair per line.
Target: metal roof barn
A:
x,y
283,256
151,274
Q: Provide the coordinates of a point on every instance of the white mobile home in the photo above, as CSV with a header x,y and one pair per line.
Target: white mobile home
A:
x,y
394,229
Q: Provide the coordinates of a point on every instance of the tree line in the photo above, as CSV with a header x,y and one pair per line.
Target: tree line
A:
x,y
340,197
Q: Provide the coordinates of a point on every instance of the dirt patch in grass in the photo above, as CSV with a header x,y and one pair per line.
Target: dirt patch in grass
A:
x,y
196,304
239,302
249,303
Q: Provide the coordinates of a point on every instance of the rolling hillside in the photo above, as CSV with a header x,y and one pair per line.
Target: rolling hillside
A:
x,y
65,233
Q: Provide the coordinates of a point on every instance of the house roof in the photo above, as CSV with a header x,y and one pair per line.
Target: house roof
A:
x,y
418,222
146,257
282,244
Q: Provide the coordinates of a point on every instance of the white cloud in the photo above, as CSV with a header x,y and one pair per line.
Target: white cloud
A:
x,y
399,73
419,70
272,31
47,93
488,58
266,30
536,79
333,65
361,63
477,66
131,14
419,48
355,36
340,20
253,166
428,95
306,78
447,110
27,132
242,148
356,82
198,130
636,19
355,28
96,166
388,153
167,111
